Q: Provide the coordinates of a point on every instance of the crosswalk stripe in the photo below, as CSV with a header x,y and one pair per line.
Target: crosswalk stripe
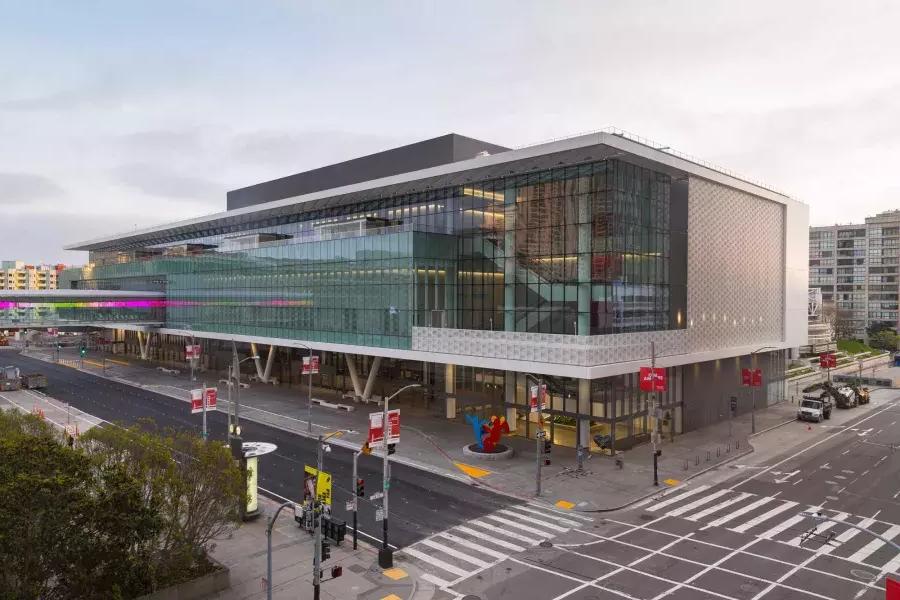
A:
x,y
870,548
434,580
678,497
517,525
712,509
742,511
472,545
455,553
543,508
849,534
892,566
483,536
820,527
765,516
692,505
829,547
534,521
545,513
444,566
768,535
509,534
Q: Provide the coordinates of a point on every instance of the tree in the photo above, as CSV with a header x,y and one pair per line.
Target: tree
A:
x,y
885,339
878,326
841,320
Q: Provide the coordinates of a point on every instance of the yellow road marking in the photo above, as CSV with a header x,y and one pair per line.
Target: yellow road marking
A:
x,y
119,362
334,434
671,482
472,471
96,364
395,574
392,597
565,504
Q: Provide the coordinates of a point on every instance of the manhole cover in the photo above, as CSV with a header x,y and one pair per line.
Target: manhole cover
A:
x,y
546,544
862,575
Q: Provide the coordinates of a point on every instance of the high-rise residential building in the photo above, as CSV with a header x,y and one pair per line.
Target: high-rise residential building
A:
x,y
856,267
16,275
486,274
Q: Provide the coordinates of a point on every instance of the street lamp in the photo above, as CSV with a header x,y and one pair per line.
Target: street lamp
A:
x,y
753,389
317,518
236,372
385,556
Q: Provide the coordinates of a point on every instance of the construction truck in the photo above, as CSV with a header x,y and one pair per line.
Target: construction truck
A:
x,y
4,341
842,397
11,379
862,394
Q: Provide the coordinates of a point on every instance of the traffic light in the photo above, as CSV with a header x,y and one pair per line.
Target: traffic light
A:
x,y
326,551
392,448
548,447
82,351
366,449
336,571
361,487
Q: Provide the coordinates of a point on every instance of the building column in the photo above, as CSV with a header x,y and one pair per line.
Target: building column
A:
x,y
584,412
450,390
144,343
354,376
373,375
509,397
584,265
509,261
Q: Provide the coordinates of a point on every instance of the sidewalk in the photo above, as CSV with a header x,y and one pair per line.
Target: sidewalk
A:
x,y
244,553
601,486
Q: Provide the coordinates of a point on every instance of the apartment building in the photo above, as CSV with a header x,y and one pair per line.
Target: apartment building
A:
x,y
856,268
16,275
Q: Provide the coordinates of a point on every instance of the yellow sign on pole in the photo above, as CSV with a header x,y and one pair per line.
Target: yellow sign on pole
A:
x,y
323,489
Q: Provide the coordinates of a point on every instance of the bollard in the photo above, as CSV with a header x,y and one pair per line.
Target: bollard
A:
x,y
737,444
696,460
685,464
707,456
728,448
718,452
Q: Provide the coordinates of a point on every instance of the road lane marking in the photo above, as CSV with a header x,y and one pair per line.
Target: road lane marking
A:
x,y
742,511
483,536
533,520
765,516
506,532
704,513
454,553
436,581
472,545
517,525
435,562
696,503
863,553
545,513
678,497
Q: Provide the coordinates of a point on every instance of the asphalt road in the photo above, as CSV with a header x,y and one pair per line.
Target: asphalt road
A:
x,y
421,503
740,539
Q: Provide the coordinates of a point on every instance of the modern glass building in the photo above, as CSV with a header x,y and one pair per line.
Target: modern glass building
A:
x,y
477,270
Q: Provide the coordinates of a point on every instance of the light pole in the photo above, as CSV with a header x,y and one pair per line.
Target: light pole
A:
x,y
317,517
309,399
539,434
269,549
385,556
236,372
753,388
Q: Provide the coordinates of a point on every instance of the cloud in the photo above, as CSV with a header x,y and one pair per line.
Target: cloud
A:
x,y
24,187
162,182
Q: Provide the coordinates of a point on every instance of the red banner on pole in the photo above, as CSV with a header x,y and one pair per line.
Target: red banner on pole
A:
x,y
196,401
211,394
310,365
653,379
376,428
827,360
751,377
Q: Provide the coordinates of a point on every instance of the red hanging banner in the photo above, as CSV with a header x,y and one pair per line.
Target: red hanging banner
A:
x,y
653,379
751,377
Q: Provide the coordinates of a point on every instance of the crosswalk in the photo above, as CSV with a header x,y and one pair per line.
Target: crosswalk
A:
x,y
780,520
449,556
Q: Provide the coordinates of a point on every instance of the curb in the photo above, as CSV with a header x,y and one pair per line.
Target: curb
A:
x,y
767,429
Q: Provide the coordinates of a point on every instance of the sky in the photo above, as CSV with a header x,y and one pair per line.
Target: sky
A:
x,y
116,115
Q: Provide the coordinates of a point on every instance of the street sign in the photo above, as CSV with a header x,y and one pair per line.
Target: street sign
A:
x,y
827,360
211,394
196,401
192,351
379,515
310,365
376,428
376,496
323,489
653,379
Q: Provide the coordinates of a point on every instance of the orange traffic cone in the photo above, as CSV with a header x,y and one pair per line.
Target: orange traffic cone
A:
x,y
809,427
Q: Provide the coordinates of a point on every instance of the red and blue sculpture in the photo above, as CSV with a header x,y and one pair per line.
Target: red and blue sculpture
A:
x,y
487,432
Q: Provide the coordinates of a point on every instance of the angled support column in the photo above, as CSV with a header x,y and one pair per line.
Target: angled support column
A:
x,y
144,343
370,381
450,389
354,375
263,374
